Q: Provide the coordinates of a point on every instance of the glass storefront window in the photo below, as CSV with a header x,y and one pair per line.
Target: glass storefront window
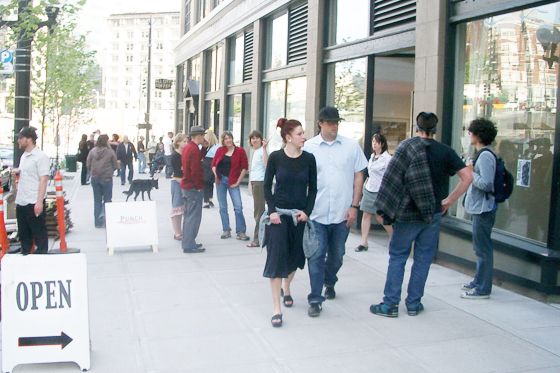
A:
x,y
283,99
502,75
346,90
349,23
392,98
234,118
236,60
277,42
212,114
214,68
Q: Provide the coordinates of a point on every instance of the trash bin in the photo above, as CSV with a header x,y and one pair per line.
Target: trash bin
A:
x,y
71,162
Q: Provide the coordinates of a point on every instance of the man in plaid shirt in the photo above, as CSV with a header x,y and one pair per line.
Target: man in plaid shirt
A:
x,y
413,197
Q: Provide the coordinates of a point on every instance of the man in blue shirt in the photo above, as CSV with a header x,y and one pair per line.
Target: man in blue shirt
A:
x,y
340,162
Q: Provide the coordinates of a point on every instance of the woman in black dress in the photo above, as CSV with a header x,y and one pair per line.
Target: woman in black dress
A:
x,y
296,188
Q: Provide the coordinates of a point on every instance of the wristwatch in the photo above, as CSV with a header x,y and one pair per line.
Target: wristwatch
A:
x,y
355,206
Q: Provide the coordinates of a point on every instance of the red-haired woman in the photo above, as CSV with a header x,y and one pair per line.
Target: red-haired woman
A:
x,y
293,198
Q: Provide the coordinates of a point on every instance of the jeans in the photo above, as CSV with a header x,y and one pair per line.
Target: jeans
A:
x,y
168,167
191,217
484,250
258,205
222,189
327,260
425,237
32,229
102,193
141,163
124,165
84,174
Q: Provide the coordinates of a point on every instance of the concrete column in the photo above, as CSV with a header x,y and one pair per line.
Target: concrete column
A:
x,y
430,56
202,87
257,92
315,40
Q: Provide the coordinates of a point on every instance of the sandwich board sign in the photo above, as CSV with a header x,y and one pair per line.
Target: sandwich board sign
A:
x,y
131,224
44,310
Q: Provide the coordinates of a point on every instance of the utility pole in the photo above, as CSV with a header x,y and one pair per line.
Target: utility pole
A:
x,y
22,68
149,83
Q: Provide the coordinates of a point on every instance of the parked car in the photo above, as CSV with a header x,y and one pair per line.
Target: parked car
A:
x,y
6,157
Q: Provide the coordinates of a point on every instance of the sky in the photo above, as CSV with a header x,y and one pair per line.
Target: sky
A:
x,y
92,19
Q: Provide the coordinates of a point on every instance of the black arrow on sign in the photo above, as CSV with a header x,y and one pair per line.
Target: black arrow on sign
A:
x,y
63,340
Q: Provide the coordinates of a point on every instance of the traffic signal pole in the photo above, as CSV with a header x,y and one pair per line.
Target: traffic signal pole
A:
x,y
149,83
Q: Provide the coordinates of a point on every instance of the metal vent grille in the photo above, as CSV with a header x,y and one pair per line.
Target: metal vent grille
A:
x,y
390,13
297,34
248,55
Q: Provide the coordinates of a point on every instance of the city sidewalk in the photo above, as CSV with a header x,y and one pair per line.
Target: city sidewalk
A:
x,y
210,312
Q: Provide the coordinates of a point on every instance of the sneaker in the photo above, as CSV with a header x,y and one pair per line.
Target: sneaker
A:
x,y
468,286
226,234
195,250
314,309
361,248
474,294
383,309
415,311
242,237
206,206
329,292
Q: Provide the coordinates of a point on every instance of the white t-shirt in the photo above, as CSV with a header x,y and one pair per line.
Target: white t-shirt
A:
x,y
257,166
376,170
167,146
32,166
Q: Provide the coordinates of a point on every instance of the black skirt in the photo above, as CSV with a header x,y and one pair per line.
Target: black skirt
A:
x,y
284,243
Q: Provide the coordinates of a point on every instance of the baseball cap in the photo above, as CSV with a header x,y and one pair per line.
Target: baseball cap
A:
x,y
329,114
28,132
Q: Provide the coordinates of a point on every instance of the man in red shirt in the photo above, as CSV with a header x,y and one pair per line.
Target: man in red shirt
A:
x,y
192,185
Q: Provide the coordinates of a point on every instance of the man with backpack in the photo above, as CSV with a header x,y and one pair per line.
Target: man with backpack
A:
x,y
480,203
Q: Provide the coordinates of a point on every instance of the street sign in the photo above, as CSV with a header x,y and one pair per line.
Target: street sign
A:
x,y
164,83
6,62
143,126
130,224
44,310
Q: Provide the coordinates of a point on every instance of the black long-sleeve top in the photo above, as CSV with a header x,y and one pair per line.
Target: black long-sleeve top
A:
x,y
296,182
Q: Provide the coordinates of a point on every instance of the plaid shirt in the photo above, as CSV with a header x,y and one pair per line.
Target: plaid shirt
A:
x,y
406,192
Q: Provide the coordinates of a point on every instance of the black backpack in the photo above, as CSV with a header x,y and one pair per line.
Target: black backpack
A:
x,y
503,179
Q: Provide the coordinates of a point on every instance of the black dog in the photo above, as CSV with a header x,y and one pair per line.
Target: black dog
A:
x,y
141,185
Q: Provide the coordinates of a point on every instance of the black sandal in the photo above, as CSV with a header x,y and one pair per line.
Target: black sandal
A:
x,y
276,320
288,301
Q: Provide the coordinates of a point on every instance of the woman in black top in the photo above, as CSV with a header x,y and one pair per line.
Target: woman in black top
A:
x,y
177,203
296,188
83,150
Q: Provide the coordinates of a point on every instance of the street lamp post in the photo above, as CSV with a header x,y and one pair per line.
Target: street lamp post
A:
x,y
22,68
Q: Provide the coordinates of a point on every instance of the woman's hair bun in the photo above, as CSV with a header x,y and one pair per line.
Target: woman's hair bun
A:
x,y
281,122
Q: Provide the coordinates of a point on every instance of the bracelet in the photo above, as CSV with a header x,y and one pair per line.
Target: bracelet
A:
x,y
355,206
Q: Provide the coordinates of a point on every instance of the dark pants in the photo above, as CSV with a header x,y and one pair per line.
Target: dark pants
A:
x,y
484,250
208,191
168,167
31,229
124,165
191,217
102,193
84,173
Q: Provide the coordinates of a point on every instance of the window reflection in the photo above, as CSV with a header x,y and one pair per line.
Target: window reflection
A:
x,y
234,118
504,78
277,45
349,22
347,92
236,60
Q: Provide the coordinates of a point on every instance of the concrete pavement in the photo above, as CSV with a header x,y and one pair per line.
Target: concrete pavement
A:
x,y
210,312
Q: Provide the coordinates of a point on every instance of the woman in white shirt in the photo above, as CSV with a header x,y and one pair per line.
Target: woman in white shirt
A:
x,y
256,178
376,169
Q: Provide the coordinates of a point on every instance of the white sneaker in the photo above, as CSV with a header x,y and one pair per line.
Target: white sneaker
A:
x,y
474,294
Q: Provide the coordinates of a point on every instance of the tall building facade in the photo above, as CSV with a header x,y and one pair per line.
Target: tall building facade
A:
x,y
125,71
242,64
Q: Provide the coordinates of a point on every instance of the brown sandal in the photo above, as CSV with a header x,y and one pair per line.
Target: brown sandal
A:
x,y
253,244
178,237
